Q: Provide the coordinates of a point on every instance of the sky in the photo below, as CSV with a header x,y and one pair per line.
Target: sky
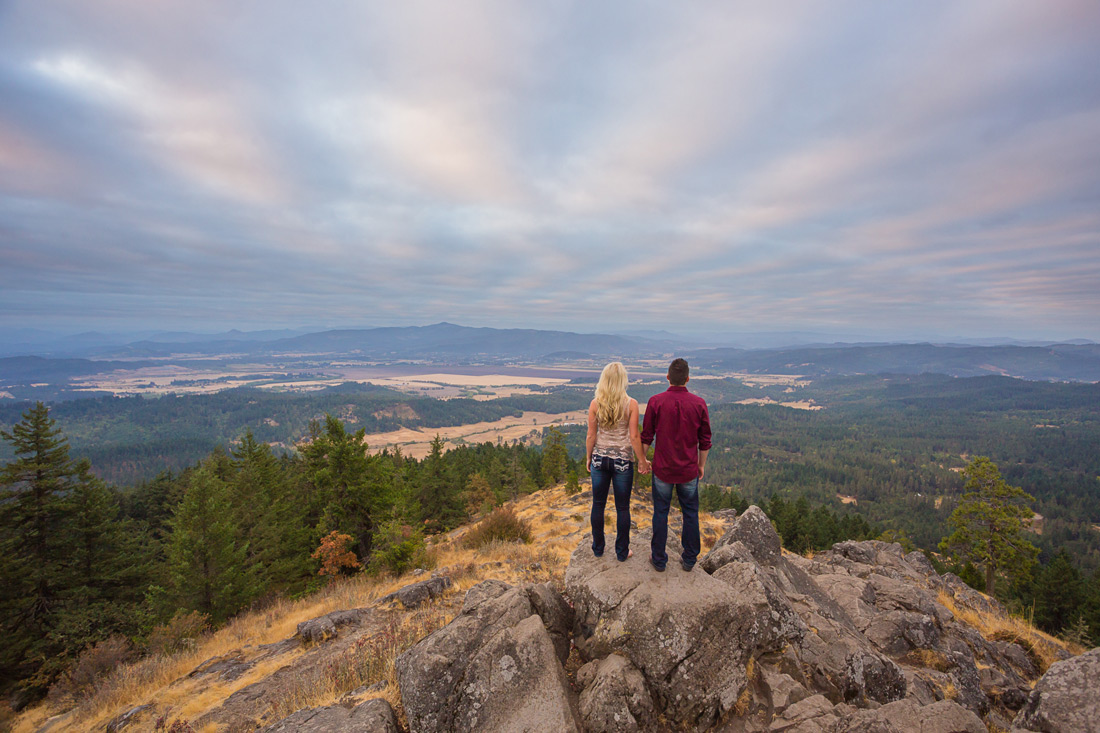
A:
x,y
914,169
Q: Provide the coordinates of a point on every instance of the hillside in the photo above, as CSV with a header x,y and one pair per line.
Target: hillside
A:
x,y
926,646
1063,362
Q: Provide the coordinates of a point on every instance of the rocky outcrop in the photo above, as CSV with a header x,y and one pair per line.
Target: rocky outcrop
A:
x,y
854,639
323,628
496,667
691,635
1065,698
615,696
417,594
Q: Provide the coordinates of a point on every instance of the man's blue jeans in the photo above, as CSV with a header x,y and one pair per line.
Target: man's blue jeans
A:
x,y
688,495
619,474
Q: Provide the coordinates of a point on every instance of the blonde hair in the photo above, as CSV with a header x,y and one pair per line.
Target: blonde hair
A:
x,y
611,395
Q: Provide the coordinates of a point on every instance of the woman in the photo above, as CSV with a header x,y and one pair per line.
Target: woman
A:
x,y
612,443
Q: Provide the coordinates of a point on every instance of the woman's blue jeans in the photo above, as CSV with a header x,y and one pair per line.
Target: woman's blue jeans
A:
x,y
617,474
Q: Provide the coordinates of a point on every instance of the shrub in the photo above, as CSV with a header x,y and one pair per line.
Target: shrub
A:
x,y
93,664
334,554
502,525
398,548
178,634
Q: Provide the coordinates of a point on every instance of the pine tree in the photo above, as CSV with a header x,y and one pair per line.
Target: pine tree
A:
x,y
989,523
64,554
206,558
1059,592
439,495
266,517
352,487
479,495
554,457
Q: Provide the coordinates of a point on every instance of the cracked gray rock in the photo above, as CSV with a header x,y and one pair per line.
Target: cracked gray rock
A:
x,y
495,667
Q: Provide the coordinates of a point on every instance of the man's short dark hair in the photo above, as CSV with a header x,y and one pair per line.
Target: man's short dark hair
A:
x,y
678,372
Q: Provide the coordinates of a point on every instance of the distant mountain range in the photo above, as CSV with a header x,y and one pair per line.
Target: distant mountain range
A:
x,y
447,343
1066,362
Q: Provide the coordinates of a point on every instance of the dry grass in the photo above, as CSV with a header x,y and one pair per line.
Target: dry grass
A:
x,y
743,700
929,658
1041,647
162,679
369,661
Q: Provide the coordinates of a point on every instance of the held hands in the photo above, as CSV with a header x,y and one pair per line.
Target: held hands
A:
x,y
643,466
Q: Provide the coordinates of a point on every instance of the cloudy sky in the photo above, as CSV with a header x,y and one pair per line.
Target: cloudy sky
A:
x,y
905,169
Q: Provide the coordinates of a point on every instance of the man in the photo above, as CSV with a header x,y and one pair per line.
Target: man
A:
x,y
681,424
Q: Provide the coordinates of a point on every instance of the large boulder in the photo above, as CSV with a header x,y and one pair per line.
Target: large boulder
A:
x,y
689,633
495,667
323,628
1065,698
907,716
417,594
754,530
869,676
615,696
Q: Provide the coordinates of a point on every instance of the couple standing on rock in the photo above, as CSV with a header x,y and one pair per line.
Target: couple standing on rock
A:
x,y
679,422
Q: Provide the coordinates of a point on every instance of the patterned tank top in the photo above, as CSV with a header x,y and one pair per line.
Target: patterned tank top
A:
x,y
614,442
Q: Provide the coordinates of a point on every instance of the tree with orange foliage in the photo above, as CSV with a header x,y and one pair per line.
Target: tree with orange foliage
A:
x,y
334,554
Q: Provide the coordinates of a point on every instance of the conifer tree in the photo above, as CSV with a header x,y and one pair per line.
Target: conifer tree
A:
x,y
479,495
554,457
351,486
439,495
206,558
108,565
62,559
989,523
1059,593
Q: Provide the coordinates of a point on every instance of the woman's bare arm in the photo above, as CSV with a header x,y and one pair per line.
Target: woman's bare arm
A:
x,y
590,439
636,437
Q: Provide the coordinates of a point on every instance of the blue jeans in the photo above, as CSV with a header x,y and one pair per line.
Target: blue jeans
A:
x,y
619,474
688,495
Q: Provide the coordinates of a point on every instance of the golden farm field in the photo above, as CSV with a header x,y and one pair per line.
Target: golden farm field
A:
x,y
479,383
528,427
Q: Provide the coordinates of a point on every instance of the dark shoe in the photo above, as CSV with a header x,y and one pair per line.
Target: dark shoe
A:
x,y
658,568
687,568
629,554
597,554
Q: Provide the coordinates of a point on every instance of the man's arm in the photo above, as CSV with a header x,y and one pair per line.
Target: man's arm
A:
x,y
704,440
649,423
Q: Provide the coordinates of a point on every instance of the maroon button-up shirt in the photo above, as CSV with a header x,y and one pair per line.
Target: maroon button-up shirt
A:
x,y
682,425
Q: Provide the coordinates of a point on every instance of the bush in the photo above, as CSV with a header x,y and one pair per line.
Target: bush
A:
x,y
502,525
335,556
398,548
178,634
93,664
